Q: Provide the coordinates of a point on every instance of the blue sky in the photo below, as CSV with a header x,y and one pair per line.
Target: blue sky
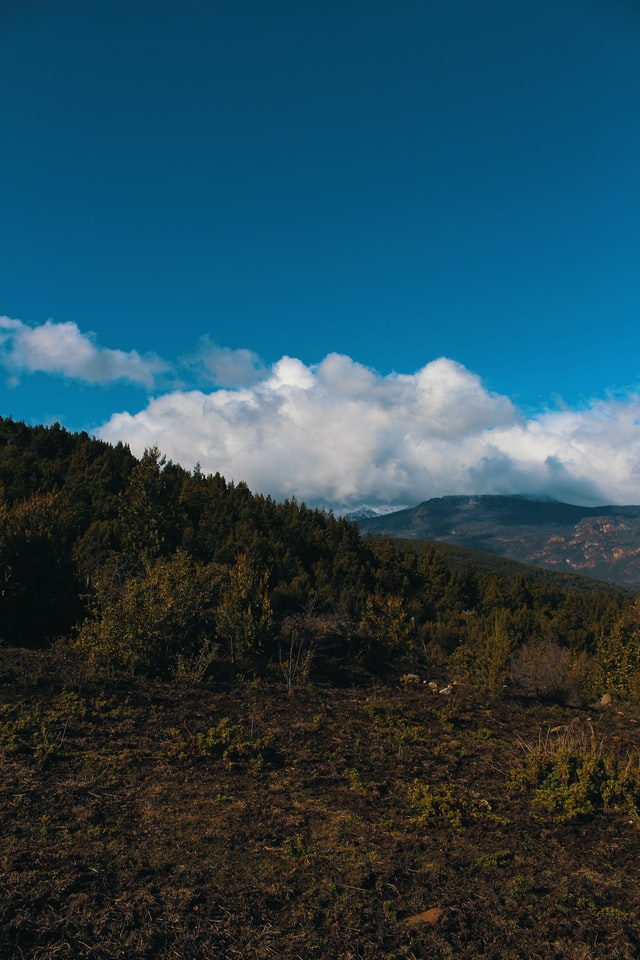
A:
x,y
351,251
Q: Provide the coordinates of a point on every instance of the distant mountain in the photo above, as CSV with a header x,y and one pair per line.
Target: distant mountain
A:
x,y
600,542
368,513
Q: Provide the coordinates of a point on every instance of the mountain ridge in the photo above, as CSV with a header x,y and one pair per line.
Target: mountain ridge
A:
x,y
602,542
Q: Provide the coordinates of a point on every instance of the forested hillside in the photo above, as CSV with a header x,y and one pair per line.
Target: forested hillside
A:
x,y
148,568
599,542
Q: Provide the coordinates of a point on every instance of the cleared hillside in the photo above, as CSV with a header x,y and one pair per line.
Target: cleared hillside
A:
x,y
143,820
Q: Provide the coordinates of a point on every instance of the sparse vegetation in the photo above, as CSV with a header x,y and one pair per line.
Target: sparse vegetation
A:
x,y
234,820
573,773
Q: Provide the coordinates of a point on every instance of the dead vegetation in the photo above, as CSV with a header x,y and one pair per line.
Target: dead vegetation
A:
x,y
148,820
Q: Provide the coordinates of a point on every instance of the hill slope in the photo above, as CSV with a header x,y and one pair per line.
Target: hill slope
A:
x,y
147,820
601,542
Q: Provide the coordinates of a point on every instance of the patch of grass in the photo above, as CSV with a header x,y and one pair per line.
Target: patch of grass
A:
x,y
456,805
484,734
33,732
354,779
491,861
402,731
222,740
298,848
517,886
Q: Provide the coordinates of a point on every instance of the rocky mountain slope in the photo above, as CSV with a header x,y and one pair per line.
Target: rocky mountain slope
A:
x,y
600,542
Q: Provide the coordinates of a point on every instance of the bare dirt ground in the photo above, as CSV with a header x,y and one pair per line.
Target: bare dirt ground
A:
x,y
143,820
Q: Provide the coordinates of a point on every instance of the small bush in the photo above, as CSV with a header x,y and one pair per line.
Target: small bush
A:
x,y
456,805
491,861
37,733
158,622
545,669
571,773
484,656
221,741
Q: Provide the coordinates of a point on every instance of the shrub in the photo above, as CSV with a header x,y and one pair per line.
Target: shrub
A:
x,y
571,773
545,669
617,668
222,741
454,804
484,656
244,617
158,622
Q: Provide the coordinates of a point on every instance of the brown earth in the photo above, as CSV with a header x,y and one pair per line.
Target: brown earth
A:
x,y
144,820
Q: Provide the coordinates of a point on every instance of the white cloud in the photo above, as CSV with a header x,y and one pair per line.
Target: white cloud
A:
x,y
339,434
226,367
60,348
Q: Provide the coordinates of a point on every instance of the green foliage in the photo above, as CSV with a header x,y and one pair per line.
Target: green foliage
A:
x,y
449,802
192,669
491,861
39,592
144,513
618,656
485,654
387,620
244,616
38,733
224,741
178,568
298,848
573,775
429,802
157,622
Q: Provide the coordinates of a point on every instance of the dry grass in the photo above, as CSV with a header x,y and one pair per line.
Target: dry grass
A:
x,y
278,826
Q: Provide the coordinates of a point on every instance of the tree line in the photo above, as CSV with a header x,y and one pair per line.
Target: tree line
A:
x,y
147,567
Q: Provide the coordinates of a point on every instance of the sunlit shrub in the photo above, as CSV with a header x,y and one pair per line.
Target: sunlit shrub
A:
x,y
617,669
569,772
484,655
159,622
545,669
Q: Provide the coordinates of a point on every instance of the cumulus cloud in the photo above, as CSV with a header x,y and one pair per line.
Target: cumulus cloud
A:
x,y
339,434
225,367
60,348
